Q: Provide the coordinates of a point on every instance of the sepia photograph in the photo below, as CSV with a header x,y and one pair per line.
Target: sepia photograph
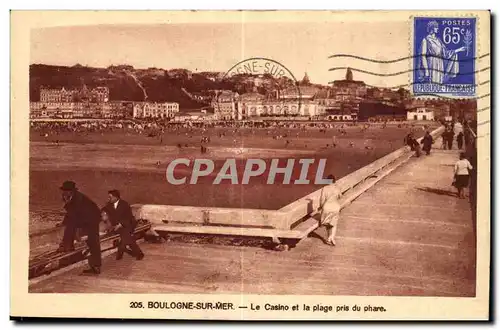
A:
x,y
251,165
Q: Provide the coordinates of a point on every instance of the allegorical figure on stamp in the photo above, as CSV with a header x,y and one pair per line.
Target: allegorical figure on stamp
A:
x,y
438,64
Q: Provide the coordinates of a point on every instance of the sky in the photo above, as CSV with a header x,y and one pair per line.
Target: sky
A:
x,y
301,47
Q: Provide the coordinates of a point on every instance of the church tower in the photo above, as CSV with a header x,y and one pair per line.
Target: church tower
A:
x,y
305,80
348,75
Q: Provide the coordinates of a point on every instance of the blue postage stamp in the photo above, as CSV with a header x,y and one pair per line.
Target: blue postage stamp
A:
x,y
444,53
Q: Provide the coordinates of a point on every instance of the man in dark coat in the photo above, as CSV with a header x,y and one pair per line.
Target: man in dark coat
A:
x,y
81,214
122,218
427,142
460,140
450,136
412,143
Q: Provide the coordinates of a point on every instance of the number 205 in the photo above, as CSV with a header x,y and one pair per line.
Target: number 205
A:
x,y
135,304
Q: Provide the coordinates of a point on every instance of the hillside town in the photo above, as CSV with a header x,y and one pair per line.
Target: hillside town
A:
x,y
343,100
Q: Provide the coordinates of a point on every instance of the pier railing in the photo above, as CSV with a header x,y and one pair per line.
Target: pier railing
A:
x,y
293,220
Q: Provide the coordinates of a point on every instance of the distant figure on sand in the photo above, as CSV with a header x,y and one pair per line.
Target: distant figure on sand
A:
x,y
330,210
427,142
462,171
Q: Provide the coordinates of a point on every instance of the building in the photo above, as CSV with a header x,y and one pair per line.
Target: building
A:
x,y
372,110
57,95
326,102
121,109
442,110
422,113
339,117
155,109
225,105
82,103
106,111
100,94
300,92
347,94
52,109
250,105
87,110
95,95
292,103
385,95
193,116
269,108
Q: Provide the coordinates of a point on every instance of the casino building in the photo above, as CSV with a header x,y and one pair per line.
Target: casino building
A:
x,y
291,102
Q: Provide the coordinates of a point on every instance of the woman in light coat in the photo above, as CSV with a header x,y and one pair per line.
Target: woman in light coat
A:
x,y
462,172
330,211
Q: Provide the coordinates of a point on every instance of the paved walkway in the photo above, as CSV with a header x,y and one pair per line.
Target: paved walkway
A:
x,y
408,235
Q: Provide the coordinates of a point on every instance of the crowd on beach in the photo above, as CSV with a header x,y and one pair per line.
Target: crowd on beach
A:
x,y
223,130
152,129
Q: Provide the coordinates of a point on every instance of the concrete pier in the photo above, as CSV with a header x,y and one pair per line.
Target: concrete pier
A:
x,y
407,235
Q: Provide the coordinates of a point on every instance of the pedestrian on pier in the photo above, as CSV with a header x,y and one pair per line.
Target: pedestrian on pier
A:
x,y
330,210
460,140
81,213
413,144
448,137
462,171
124,223
427,142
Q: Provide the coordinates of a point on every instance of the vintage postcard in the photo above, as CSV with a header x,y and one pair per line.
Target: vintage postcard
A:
x,y
251,165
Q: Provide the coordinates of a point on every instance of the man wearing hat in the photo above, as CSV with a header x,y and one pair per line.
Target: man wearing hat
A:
x,y
125,223
81,213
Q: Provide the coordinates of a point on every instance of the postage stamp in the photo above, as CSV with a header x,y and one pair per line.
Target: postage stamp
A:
x,y
444,50
195,170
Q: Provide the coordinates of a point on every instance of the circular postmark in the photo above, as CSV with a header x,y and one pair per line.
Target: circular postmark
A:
x,y
266,89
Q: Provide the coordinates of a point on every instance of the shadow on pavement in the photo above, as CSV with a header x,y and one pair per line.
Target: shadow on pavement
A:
x,y
438,191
